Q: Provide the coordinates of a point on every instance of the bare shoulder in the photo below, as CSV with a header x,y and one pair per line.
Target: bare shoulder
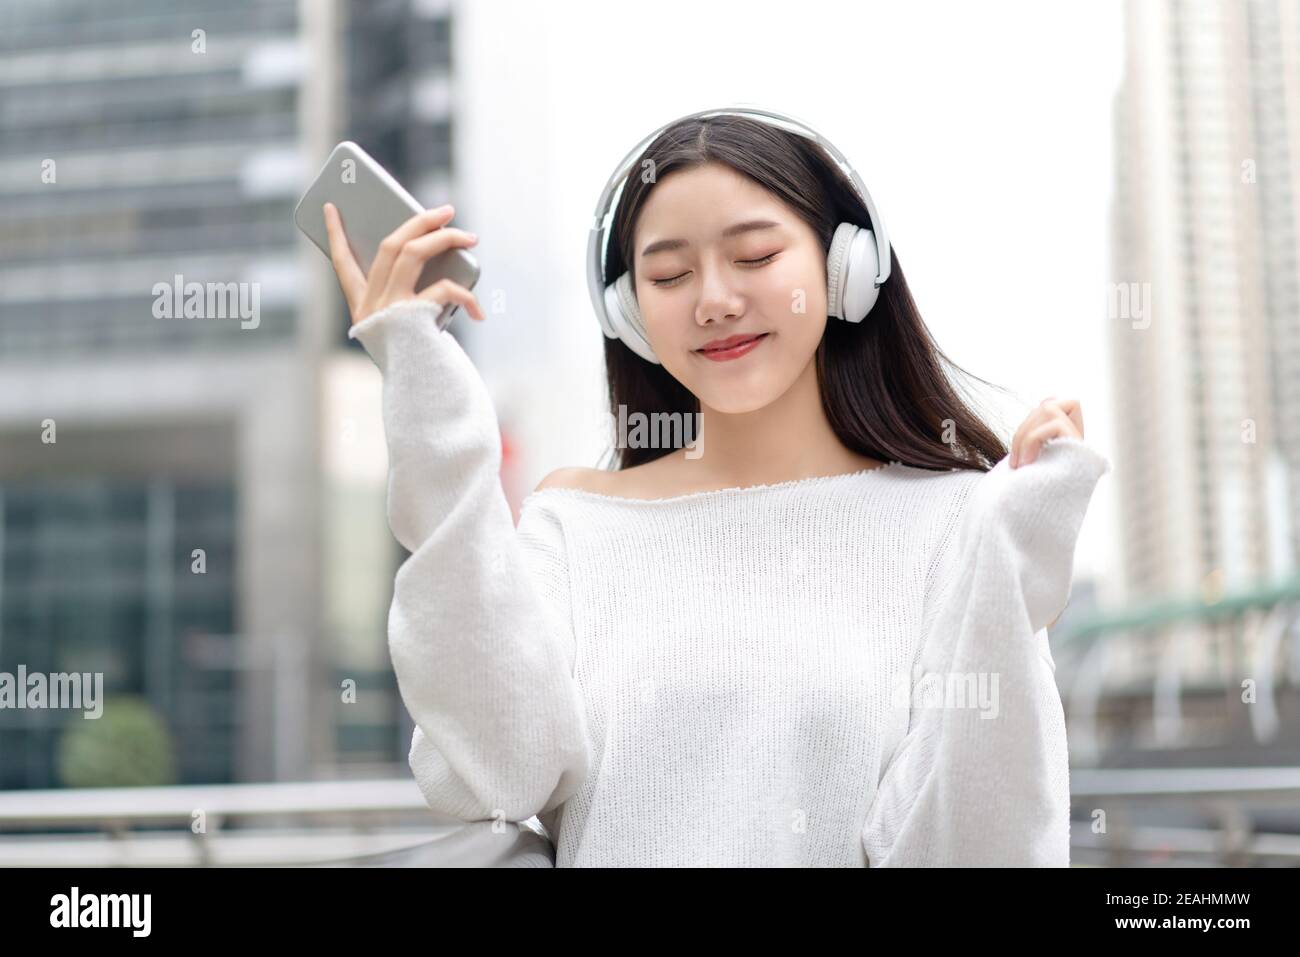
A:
x,y
576,477
648,480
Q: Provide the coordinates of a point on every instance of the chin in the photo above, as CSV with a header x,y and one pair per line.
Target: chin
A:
x,y
731,404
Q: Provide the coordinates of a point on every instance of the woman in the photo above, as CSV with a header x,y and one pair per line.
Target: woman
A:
x,y
732,658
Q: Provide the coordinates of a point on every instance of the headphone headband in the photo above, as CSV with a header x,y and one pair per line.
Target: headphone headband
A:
x,y
597,238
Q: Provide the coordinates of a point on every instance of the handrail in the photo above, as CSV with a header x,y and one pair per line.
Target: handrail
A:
x,y
1168,611
1225,793
441,842
1254,785
138,805
479,843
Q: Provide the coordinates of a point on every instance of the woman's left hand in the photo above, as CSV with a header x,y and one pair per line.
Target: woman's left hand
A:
x,y
1053,418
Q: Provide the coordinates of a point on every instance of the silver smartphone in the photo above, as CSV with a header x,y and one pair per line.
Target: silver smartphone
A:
x,y
372,204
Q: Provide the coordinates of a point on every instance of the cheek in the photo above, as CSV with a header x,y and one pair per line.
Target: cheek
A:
x,y
653,306
793,289
663,318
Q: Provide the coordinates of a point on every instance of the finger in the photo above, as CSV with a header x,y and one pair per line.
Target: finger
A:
x,y
1073,409
444,291
351,279
1017,440
411,260
1034,440
1067,411
392,244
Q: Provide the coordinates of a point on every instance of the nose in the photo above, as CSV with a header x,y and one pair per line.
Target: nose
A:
x,y
719,299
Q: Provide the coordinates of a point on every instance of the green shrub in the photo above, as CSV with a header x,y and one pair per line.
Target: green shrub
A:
x,y
127,746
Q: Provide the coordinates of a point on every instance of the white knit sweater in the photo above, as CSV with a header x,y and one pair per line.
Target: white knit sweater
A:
x,y
838,671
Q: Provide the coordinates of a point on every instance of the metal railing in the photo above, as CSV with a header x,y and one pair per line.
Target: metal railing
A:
x,y
363,823
386,823
1229,796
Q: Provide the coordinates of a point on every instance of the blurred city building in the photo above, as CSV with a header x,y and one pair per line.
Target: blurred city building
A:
x,y
1196,664
195,506
1204,309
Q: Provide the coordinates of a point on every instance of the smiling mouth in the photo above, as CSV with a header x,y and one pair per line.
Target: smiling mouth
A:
x,y
733,345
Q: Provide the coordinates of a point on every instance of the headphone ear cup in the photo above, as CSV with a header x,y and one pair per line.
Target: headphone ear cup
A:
x,y
837,267
852,265
629,311
860,291
625,316
614,309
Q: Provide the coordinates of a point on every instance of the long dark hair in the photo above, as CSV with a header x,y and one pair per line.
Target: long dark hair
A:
x,y
882,381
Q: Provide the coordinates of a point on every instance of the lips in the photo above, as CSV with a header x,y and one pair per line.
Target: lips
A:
x,y
733,347
731,342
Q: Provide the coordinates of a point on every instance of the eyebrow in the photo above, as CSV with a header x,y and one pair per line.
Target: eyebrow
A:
x,y
664,245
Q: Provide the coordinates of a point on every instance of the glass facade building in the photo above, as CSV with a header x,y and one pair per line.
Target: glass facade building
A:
x,y
146,140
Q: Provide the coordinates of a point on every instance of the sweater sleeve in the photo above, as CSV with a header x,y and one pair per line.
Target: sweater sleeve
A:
x,y
981,777
479,628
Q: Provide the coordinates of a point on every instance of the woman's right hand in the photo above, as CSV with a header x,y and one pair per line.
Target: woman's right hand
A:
x,y
398,264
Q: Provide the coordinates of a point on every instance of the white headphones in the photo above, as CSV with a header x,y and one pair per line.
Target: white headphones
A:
x,y
857,264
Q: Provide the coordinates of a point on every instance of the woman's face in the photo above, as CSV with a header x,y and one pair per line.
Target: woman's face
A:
x,y
701,276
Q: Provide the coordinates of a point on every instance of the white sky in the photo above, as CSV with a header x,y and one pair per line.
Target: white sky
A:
x,y
982,130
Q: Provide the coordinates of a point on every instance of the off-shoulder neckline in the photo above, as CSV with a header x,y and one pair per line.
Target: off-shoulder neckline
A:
x,y
736,491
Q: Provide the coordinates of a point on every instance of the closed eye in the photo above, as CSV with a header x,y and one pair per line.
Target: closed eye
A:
x,y
674,280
